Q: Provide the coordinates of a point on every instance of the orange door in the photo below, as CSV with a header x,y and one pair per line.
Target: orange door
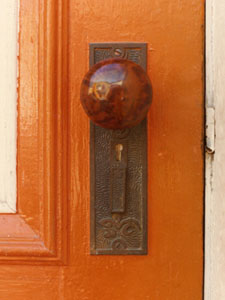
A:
x,y
44,248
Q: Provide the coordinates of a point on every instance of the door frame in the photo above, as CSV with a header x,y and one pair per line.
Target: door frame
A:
x,y
214,287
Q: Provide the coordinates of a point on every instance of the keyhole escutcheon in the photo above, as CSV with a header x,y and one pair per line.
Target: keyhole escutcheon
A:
x,y
119,149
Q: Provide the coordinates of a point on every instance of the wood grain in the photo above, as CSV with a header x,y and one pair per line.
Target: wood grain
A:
x,y
215,156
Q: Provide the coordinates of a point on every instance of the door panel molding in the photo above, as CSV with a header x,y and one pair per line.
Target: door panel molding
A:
x,y
37,233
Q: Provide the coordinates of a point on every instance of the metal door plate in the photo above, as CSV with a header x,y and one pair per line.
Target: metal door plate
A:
x,y
118,195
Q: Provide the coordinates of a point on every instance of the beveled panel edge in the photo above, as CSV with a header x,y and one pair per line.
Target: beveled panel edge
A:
x,y
49,245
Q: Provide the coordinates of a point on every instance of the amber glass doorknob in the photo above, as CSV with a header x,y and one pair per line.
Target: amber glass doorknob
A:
x,y
116,93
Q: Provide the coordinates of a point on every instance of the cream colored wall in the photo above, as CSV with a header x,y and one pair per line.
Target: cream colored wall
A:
x,y
8,98
215,158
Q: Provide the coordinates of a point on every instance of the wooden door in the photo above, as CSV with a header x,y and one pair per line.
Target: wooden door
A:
x,y
44,247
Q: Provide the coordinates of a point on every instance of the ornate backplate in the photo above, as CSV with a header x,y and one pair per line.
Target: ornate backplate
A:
x,y
119,189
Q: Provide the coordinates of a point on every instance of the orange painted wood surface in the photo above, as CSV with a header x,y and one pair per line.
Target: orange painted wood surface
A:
x,y
44,248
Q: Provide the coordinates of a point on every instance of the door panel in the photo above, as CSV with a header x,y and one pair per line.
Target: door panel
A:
x,y
53,154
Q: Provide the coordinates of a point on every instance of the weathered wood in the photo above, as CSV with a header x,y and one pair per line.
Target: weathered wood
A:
x,y
215,166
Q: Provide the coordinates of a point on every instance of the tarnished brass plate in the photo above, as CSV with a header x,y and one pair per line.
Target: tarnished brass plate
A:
x,y
118,188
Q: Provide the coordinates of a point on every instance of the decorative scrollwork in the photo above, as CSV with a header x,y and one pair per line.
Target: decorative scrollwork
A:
x,y
121,133
122,233
131,54
119,232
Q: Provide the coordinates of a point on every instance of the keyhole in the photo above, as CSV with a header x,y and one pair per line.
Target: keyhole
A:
x,y
119,149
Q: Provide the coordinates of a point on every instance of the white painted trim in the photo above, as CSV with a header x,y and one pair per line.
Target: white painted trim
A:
x,y
8,104
215,159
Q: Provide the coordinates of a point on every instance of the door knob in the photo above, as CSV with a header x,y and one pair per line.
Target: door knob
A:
x,y
116,93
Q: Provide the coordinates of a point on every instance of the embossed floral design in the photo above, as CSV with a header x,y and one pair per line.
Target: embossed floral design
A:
x,y
122,233
121,133
131,54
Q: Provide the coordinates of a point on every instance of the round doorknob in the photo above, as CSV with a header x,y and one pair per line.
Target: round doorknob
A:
x,y
116,93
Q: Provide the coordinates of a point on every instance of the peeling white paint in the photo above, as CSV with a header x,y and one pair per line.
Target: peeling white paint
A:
x,y
215,162
8,107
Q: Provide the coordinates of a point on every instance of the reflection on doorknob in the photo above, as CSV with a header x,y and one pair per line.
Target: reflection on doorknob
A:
x,y
116,93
